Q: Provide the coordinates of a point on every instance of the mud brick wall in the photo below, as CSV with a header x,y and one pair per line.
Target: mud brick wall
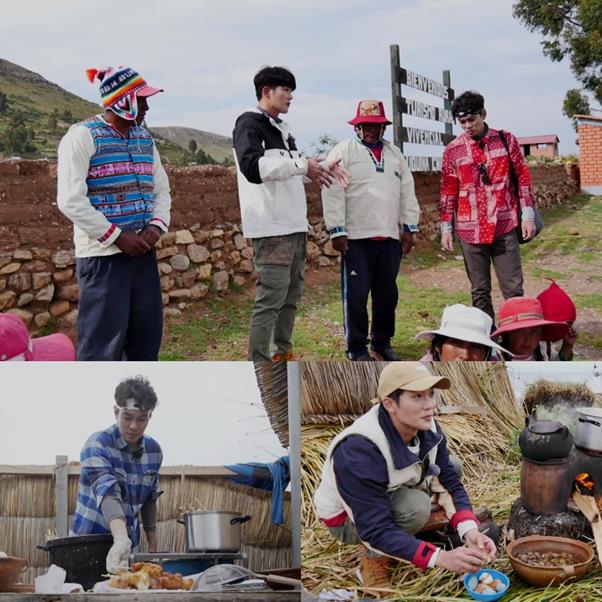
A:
x,y
590,152
204,252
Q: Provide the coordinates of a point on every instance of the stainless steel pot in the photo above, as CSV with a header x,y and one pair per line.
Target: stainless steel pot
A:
x,y
213,531
589,428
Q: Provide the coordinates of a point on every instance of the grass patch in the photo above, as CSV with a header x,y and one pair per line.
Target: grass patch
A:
x,y
50,328
538,272
593,301
221,333
219,328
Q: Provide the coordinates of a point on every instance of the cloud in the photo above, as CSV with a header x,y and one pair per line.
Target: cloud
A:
x,y
205,55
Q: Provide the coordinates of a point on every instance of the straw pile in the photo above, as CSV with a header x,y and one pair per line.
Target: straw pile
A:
x,y
272,379
479,416
548,394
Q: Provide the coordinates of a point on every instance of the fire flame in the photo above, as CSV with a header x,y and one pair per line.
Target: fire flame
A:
x,y
585,482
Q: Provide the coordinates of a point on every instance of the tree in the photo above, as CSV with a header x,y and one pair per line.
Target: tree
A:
x,y
3,102
571,28
192,146
18,137
67,116
323,145
52,122
204,158
575,103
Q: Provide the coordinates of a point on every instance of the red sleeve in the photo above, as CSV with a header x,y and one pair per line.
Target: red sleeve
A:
x,y
450,186
423,555
460,516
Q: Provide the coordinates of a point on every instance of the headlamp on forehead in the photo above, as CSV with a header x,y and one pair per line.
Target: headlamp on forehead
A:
x,y
461,116
131,404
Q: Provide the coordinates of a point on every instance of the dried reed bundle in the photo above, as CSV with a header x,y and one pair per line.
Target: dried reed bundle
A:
x,y
27,495
272,379
338,387
19,537
481,384
547,394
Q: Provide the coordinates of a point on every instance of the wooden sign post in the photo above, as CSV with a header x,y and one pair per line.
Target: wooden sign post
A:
x,y
407,106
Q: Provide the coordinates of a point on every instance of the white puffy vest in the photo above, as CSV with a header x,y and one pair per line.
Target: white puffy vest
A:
x,y
327,500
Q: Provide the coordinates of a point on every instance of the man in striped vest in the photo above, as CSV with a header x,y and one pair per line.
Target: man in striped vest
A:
x,y
112,186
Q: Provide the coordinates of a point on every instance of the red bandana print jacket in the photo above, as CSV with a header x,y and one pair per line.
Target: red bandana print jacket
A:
x,y
483,211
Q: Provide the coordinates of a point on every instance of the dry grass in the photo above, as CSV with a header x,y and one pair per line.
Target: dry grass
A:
x,y
272,379
480,437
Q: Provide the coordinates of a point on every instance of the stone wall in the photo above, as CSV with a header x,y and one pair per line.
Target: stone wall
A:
x,y
204,252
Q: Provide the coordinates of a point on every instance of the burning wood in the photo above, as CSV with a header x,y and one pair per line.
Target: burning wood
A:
x,y
588,507
585,485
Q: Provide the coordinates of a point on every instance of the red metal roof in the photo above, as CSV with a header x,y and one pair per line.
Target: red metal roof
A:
x,y
545,139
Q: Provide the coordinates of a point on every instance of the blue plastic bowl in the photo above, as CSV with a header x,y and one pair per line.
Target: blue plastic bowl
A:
x,y
487,597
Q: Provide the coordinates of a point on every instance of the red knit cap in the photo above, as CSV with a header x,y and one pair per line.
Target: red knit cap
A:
x,y
556,304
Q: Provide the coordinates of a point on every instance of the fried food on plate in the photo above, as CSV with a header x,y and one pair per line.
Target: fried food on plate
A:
x,y
147,575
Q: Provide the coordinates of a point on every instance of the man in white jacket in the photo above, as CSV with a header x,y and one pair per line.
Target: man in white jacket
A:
x,y
273,209
371,223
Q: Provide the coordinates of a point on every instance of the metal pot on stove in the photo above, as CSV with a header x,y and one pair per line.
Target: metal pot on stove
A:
x,y
589,429
218,531
544,440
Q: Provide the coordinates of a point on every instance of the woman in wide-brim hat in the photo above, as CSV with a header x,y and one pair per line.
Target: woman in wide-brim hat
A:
x,y
523,327
464,335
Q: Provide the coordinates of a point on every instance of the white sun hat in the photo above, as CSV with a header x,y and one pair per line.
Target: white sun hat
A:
x,y
465,324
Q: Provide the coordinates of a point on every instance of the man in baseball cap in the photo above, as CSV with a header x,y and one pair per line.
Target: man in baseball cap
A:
x,y
371,223
112,186
382,473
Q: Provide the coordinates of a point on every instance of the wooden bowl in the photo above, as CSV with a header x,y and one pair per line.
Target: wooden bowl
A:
x,y
544,576
10,570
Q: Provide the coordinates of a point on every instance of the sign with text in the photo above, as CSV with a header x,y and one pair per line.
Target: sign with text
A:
x,y
401,76
424,84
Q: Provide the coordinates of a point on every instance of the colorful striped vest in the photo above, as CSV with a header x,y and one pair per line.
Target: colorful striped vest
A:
x,y
120,178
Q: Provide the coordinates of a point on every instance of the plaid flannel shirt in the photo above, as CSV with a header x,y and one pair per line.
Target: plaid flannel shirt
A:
x,y
110,467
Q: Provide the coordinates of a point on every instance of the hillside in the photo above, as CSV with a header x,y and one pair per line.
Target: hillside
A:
x,y
217,146
35,113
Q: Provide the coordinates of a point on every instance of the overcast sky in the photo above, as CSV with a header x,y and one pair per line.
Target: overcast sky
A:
x,y
205,55
209,413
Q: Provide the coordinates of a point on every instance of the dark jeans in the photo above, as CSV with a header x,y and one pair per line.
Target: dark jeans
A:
x,y
120,308
504,253
370,266
280,265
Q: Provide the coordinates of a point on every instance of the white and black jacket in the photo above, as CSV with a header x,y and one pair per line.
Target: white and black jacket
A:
x,y
270,177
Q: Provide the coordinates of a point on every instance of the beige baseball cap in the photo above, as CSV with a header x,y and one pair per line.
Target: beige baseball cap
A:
x,y
409,376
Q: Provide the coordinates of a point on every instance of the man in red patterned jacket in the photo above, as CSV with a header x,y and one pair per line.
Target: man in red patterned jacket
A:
x,y
477,190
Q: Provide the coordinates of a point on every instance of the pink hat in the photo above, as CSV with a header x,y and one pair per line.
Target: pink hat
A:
x,y
16,344
369,111
526,312
556,304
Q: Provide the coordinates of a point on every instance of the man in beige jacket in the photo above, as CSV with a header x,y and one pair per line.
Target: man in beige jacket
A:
x,y
371,223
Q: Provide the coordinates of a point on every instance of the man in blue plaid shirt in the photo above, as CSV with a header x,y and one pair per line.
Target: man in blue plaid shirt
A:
x,y
120,476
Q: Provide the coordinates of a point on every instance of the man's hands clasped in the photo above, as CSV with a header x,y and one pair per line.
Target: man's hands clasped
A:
x,y
134,244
